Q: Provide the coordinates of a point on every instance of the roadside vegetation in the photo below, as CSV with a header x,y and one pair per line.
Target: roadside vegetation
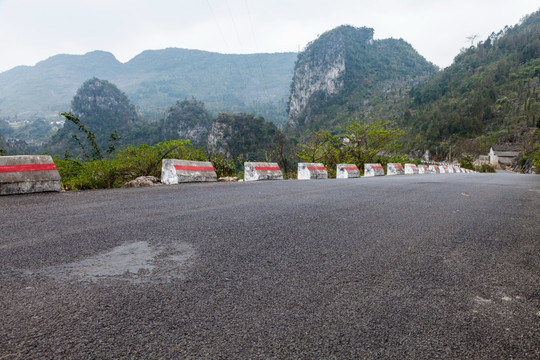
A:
x,y
359,144
112,168
93,171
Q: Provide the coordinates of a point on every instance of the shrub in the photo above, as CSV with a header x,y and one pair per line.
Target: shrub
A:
x,y
128,164
485,168
223,165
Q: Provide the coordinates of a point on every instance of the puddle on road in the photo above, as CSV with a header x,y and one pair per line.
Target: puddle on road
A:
x,y
139,262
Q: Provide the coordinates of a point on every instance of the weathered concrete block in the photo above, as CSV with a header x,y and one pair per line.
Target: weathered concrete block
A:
x,y
443,169
28,174
309,171
394,169
423,169
347,171
434,169
373,170
175,171
411,169
254,171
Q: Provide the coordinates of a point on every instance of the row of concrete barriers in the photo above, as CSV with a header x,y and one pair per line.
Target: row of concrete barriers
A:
x,y
38,173
177,171
347,171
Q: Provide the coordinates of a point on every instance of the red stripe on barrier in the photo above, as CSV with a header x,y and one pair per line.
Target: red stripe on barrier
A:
x,y
376,167
26,167
267,168
194,168
351,168
398,166
315,168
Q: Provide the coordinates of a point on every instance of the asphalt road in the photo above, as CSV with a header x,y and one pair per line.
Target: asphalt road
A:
x,y
407,267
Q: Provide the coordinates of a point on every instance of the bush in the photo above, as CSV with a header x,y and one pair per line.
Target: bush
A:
x,y
128,164
222,165
467,161
485,168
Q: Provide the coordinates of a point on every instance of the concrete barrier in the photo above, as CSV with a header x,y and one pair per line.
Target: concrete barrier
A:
x,y
411,169
394,169
423,169
443,169
451,169
175,171
434,169
373,170
254,171
347,171
308,171
25,174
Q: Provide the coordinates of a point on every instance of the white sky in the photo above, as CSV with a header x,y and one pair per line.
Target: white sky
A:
x,y
33,30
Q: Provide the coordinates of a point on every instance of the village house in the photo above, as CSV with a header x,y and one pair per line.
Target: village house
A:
x,y
504,155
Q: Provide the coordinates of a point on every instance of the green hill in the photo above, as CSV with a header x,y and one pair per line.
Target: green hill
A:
x,y
103,110
345,75
489,95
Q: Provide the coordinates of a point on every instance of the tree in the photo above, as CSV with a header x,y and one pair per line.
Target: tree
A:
x,y
471,38
367,141
284,153
324,148
362,143
96,153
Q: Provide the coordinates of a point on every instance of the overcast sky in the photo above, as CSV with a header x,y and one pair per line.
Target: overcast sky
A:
x,y
33,30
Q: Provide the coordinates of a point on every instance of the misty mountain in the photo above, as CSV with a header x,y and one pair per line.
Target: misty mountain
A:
x,y
153,81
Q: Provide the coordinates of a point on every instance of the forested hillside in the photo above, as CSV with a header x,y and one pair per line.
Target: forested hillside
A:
x,y
489,95
104,111
188,119
345,75
102,121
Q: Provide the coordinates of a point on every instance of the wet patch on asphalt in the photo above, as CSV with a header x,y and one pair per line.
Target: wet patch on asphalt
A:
x,y
138,262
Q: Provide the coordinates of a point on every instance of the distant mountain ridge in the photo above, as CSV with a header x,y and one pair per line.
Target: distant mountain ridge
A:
x,y
155,80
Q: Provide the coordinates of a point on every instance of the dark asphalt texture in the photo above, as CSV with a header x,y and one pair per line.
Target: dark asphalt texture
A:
x,y
404,267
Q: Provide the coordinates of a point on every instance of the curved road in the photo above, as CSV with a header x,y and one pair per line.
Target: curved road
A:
x,y
406,267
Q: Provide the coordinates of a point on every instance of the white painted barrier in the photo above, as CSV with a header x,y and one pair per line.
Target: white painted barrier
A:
x,y
434,169
423,169
254,171
175,171
309,171
373,170
443,169
411,169
347,171
394,169
25,174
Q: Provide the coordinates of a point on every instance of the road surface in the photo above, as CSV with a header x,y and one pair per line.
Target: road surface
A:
x,y
404,267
